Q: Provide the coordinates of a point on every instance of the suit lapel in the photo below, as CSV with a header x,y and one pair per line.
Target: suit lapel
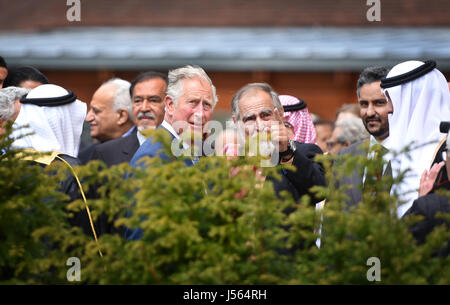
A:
x,y
130,143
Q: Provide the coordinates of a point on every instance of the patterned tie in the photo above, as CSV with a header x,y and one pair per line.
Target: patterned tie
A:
x,y
378,176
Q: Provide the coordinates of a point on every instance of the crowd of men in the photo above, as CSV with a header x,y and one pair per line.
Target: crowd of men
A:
x,y
396,107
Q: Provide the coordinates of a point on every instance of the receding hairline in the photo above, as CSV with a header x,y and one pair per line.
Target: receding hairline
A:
x,y
252,91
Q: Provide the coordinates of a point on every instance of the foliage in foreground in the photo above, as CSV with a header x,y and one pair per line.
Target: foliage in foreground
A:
x,y
204,225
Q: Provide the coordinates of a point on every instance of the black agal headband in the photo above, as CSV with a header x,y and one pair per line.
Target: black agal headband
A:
x,y
296,107
428,66
51,101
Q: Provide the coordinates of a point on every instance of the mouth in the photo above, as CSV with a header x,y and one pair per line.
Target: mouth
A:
x,y
373,122
146,119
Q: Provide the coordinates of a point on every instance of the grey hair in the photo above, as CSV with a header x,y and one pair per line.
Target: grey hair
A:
x,y
175,86
353,131
255,86
7,98
370,75
122,99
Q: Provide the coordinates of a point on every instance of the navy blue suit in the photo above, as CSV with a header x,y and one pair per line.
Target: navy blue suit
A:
x,y
148,149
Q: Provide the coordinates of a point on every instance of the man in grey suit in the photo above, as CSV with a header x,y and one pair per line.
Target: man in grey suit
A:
x,y
374,110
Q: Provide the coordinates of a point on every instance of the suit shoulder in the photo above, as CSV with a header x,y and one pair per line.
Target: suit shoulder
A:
x,y
429,205
308,147
111,144
355,148
148,148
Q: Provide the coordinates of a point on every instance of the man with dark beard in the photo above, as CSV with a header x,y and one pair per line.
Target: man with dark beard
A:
x,y
374,110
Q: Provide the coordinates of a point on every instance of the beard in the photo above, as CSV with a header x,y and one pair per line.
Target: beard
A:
x,y
381,130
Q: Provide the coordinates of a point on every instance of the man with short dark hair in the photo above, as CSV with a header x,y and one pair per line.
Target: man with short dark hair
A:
x,y
25,77
324,130
147,93
374,110
3,71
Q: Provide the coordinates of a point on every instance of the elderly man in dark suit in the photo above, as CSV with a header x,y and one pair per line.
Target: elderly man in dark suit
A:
x,y
257,109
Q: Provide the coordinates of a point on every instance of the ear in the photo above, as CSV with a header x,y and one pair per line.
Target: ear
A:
x,y
234,119
389,104
277,114
170,105
123,117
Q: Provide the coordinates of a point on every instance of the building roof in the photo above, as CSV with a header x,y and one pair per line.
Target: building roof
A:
x,y
237,49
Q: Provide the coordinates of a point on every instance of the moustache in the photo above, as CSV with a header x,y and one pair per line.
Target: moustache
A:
x,y
373,118
146,115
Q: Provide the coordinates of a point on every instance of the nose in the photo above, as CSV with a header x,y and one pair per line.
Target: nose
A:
x,y
146,106
198,112
89,116
261,124
371,110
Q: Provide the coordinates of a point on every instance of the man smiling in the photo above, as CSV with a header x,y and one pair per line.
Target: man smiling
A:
x,y
374,110
189,104
147,93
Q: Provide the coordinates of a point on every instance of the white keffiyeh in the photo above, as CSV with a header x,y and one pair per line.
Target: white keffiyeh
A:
x,y
55,128
419,107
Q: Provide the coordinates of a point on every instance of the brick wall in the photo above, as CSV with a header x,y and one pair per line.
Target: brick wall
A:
x,y
34,15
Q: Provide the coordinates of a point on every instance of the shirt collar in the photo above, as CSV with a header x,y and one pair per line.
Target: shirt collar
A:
x,y
169,128
141,137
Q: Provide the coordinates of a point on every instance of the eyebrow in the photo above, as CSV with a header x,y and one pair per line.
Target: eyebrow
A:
x,y
148,96
252,115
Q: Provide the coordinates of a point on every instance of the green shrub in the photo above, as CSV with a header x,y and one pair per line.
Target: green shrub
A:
x,y
202,225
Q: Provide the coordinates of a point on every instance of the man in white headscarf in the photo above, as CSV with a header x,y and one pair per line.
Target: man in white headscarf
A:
x,y
420,100
54,117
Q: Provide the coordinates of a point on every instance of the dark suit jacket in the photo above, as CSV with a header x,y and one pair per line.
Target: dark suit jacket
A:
x,y
355,179
111,152
428,206
85,154
118,150
308,174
